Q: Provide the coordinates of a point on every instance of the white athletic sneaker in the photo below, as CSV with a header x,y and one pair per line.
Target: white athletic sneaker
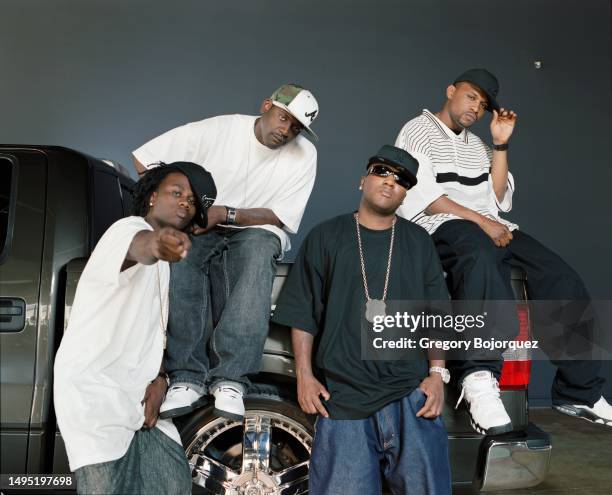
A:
x,y
487,412
228,401
600,413
179,400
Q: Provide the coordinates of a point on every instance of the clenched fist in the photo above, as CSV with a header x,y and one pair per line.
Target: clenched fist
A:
x,y
170,244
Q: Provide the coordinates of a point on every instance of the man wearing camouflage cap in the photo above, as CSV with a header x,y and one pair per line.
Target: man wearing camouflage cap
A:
x,y
264,169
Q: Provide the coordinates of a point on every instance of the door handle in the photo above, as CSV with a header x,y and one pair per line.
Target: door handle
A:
x,y
12,314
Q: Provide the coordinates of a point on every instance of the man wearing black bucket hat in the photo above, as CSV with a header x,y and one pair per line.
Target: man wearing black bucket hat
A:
x,y
463,187
377,418
108,379
265,169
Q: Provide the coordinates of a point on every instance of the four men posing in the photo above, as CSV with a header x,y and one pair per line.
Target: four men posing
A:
x,y
441,177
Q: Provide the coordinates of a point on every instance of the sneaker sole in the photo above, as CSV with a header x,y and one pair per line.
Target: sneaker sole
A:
x,y
495,430
582,414
229,415
181,411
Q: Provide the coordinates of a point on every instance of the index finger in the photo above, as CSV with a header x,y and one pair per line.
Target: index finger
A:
x,y
319,406
427,406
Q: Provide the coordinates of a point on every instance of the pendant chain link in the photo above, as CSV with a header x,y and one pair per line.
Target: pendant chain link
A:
x,y
361,259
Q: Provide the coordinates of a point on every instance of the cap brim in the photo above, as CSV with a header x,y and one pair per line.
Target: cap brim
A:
x,y
304,125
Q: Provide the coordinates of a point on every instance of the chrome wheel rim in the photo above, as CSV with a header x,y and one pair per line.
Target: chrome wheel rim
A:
x,y
268,454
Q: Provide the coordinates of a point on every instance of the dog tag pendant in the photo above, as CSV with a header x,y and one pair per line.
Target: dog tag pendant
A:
x,y
375,307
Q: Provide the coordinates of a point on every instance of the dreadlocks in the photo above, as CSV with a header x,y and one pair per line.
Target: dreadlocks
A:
x,y
147,185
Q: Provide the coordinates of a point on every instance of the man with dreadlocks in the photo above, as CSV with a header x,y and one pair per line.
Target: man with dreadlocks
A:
x,y
109,383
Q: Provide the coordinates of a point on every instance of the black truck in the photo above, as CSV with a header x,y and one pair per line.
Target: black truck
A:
x,y
55,204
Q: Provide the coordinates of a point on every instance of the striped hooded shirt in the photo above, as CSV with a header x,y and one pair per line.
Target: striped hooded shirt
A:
x,y
453,165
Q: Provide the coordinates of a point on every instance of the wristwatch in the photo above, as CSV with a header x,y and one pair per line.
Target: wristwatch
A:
x,y
443,371
230,218
500,147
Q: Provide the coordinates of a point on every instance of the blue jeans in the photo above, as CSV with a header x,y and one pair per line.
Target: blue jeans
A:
x,y
153,464
220,307
352,456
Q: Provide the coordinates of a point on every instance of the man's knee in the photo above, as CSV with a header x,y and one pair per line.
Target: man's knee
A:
x,y
260,241
485,255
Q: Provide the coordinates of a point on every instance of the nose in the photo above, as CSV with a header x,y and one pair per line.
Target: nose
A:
x,y
389,180
184,203
284,128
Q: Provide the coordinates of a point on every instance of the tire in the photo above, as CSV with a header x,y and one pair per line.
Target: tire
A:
x,y
278,441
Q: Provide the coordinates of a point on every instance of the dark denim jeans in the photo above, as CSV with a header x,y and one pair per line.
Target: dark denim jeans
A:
x,y
478,270
352,456
154,464
226,279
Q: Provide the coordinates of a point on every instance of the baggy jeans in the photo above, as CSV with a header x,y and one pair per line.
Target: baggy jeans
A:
x,y
220,307
351,456
479,270
154,464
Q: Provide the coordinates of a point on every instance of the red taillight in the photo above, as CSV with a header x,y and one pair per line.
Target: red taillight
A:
x,y
517,363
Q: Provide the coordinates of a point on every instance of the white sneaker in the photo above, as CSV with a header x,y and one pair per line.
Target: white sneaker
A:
x,y
487,412
228,401
600,413
179,400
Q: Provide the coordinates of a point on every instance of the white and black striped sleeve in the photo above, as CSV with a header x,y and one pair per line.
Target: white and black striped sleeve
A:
x,y
424,193
505,205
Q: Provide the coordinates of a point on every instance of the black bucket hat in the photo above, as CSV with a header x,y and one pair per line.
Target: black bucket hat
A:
x,y
407,166
203,188
486,81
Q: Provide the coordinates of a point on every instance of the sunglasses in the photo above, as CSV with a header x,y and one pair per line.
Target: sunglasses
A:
x,y
384,171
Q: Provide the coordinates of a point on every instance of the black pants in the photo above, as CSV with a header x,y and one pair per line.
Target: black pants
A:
x,y
478,270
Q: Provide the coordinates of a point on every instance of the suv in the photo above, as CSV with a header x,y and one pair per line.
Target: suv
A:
x,y
55,204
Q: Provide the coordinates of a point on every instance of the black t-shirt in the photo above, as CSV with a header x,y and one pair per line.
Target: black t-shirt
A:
x,y
324,295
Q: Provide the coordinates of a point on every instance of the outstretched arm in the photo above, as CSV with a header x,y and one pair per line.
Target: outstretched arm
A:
x,y
167,244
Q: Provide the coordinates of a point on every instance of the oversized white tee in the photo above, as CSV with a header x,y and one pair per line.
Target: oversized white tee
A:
x,y
247,173
111,350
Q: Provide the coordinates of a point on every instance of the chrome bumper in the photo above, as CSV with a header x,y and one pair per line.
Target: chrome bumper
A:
x,y
515,461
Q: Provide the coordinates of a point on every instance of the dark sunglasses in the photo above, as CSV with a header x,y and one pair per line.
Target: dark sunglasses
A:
x,y
384,171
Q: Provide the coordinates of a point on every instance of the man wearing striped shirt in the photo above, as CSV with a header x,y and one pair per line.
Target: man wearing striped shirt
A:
x,y
463,185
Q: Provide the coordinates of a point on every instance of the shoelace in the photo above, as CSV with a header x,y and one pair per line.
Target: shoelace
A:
x,y
482,393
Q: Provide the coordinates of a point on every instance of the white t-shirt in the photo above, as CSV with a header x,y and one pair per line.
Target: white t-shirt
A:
x,y
111,350
247,173
453,165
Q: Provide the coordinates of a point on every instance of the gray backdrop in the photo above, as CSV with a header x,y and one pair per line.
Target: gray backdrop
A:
x,y
105,76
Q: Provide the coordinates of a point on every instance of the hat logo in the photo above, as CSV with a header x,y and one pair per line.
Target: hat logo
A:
x,y
207,201
311,115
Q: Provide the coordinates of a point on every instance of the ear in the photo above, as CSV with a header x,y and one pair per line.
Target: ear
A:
x,y
361,181
265,106
450,91
153,199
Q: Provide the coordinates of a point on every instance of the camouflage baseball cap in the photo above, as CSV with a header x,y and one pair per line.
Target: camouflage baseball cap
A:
x,y
299,102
